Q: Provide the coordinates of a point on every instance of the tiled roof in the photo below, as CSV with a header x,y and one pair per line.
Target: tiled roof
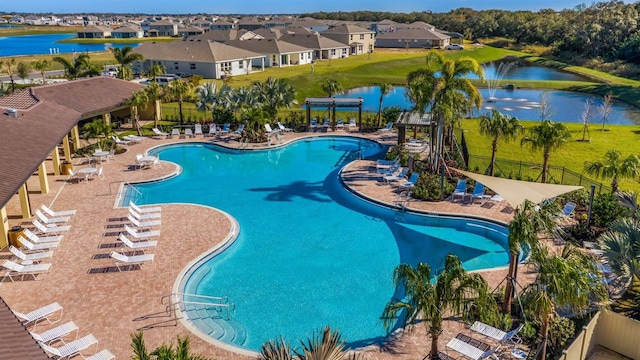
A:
x,y
49,114
347,29
15,341
267,46
193,50
312,41
413,33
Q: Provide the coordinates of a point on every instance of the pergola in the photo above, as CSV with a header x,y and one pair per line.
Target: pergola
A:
x,y
412,119
332,104
35,122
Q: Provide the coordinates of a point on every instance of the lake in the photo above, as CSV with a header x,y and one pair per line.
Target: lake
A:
x,y
523,70
48,44
566,106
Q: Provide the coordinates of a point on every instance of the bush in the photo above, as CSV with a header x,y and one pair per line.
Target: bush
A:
x,y
561,330
428,188
607,208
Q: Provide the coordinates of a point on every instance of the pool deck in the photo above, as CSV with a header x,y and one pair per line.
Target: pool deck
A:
x,y
113,305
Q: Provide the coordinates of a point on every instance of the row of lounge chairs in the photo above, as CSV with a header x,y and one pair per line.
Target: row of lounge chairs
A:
x,y
498,337
139,236
326,124
61,334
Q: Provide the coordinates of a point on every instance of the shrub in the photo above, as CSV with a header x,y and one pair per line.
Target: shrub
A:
x,y
606,208
561,330
428,188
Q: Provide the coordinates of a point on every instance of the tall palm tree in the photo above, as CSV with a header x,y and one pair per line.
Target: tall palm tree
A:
x,y
567,281
125,57
207,97
385,89
81,67
443,88
179,90
139,100
614,167
274,94
98,130
528,220
498,126
8,66
155,71
452,293
331,87
41,65
154,93
546,136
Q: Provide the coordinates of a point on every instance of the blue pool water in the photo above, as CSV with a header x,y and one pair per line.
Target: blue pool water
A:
x,y
309,253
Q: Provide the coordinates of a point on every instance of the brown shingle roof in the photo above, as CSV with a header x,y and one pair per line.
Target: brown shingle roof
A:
x,y
267,46
193,50
15,341
312,41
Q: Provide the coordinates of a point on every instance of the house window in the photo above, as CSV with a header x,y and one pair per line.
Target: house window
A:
x,y
192,66
225,66
333,51
344,52
361,36
351,37
241,64
371,36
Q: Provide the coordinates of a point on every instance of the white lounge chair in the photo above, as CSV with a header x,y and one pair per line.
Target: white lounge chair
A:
x,y
175,131
40,314
143,224
34,258
313,125
352,124
134,138
147,216
138,245
157,132
57,333
120,141
198,130
50,229
145,209
51,221
326,124
213,129
50,212
102,355
503,337
40,239
131,260
340,124
188,132
141,234
471,351
71,349
37,247
269,129
388,128
395,177
284,128
16,269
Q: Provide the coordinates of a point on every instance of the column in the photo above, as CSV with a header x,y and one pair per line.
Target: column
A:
x,y
25,204
158,113
308,113
4,228
42,175
55,157
66,148
75,135
106,118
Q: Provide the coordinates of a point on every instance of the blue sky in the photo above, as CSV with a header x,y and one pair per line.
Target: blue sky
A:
x,y
274,6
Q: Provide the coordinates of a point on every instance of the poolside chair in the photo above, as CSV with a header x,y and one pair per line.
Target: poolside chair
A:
x,y
387,129
269,130
395,177
385,166
352,124
225,129
73,175
32,270
471,351
57,333
157,132
284,128
138,245
460,190
326,124
102,355
69,350
145,209
38,315
50,229
239,130
40,239
141,234
197,130
134,138
51,221
57,213
188,133
34,258
313,124
100,173
120,141
26,244
213,129
509,338
131,260
175,131
567,210
478,192
340,124
388,162
413,179
147,216
143,224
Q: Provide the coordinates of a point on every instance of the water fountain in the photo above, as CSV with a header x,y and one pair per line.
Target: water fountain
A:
x,y
494,83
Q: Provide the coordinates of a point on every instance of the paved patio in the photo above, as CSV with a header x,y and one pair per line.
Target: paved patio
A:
x,y
113,305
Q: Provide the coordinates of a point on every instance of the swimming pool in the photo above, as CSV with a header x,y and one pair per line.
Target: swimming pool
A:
x,y
309,252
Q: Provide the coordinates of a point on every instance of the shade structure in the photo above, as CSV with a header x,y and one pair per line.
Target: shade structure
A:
x,y
515,192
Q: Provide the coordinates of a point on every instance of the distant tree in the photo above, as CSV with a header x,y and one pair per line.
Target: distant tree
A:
x,y
605,108
155,71
545,108
81,67
498,126
41,65
547,136
331,87
179,90
125,57
614,167
586,116
384,91
23,70
8,67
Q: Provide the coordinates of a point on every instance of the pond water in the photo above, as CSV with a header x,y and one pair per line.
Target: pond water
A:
x,y
566,106
48,44
523,70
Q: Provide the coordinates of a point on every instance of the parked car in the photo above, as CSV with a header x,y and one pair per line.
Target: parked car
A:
x,y
454,47
160,80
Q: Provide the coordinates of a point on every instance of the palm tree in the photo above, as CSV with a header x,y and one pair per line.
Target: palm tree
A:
x,y
207,97
528,220
331,87
621,248
443,87
179,90
551,288
23,70
81,67
125,58
328,346
138,347
98,130
155,70
164,351
41,65
277,349
385,89
454,291
139,100
498,126
154,93
274,94
8,65
614,167
547,136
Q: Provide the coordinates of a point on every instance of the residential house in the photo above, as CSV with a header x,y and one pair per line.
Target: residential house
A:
x,y
414,35
190,31
277,52
94,32
383,26
226,35
279,21
209,59
249,23
203,24
222,25
16,19
311,24
360,40
163,28
323,47
269,33
127,32
34,20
